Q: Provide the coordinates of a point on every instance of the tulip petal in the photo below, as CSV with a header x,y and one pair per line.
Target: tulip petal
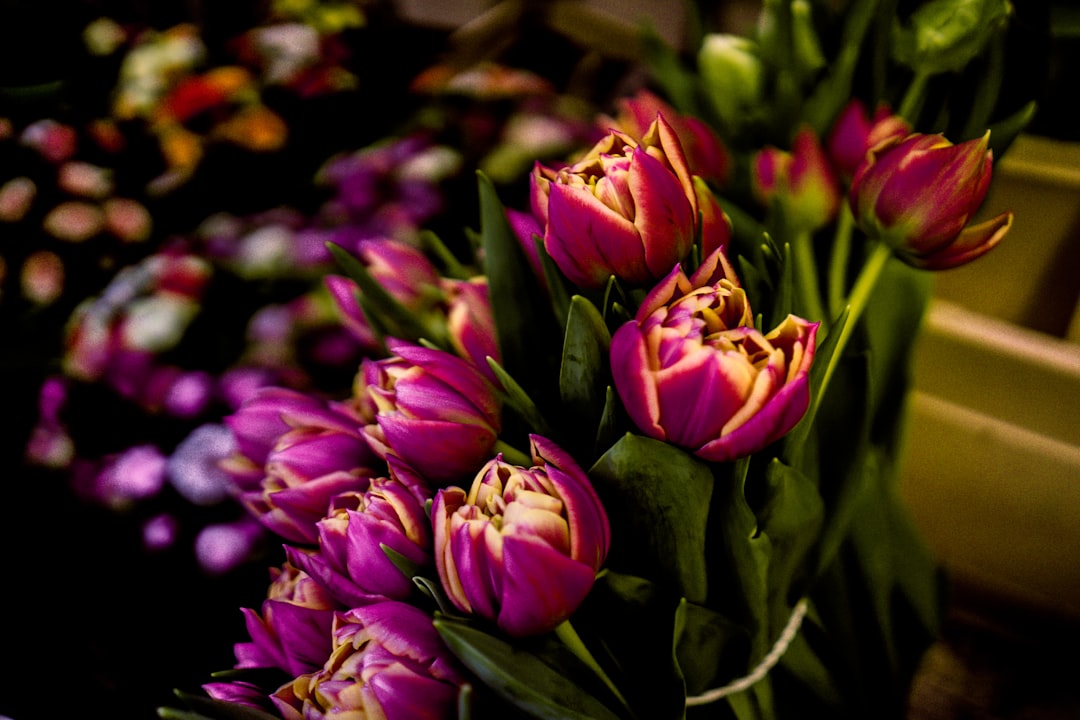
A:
x,y
545,586
589,241
973,242
664,215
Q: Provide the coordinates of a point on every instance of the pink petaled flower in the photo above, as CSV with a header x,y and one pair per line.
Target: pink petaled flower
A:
x,y
350,562
403,270
471,323
801,180
691,369
388,662
706,155
628,208
918,195
432,409
295,453
855,133
293,629
522,548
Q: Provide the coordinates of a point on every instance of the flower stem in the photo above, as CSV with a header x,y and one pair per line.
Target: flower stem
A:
x,y
857,300
806,281
913,98
566,632
841,252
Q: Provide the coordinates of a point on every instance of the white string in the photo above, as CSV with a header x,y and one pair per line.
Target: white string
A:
x,y
767,663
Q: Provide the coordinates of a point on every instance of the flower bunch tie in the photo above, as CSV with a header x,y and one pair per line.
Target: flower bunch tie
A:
x,y
767,663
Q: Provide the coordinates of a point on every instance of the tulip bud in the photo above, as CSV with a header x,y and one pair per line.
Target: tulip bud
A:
x,y
733,76
522,548
400,268
945,35
432,409
388,661
692,371
294,453
919,194
293,630
801,181
855,133
627,208
350,562
471,323
706,155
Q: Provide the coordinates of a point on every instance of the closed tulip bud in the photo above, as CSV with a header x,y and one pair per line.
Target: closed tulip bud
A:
x,y
294,453
918,195
802,181
349,562
403,270
471,323
432,409
855,133
293,629
706,155
691,370
523,546
733,76
388,662
627,208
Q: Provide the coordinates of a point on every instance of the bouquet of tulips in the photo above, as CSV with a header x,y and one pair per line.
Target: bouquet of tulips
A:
x,y
624,442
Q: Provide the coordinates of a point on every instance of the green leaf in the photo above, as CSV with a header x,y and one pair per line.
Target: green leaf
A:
x,y
583,374
518,303
612,421
746,554
1003,132
712,650
519,676
791,517
452,267
824,359
657,498
556,282
632,626
783,298
803,663
516,397
207,708
381,308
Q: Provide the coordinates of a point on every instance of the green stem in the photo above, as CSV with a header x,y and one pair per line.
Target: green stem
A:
x,y
566,632
806,280
913,98
839,262
857,300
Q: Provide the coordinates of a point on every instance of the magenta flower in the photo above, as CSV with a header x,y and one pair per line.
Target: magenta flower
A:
x,y
522,548
433,409
388,662
628,208
403,270
691,369
295,453
350,562
855,133
293,629
801,180
706,155
918,195
471,323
